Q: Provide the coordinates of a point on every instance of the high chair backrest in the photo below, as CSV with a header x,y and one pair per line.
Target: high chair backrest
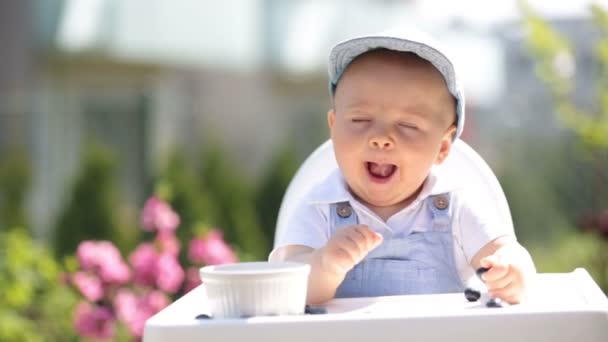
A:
x,y
463,162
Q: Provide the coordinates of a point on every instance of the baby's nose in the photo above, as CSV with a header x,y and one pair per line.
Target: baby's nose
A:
x,y
381,142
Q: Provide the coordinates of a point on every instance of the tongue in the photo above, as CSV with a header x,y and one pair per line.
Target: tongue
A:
x,y
381,170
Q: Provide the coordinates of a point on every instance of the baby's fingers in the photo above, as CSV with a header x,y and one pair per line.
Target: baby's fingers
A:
x,y
340,256
355,245
511,293
498,268
371,238
499,283
351,245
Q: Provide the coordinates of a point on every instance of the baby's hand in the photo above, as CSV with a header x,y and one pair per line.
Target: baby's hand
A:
x,y
509,273
347,248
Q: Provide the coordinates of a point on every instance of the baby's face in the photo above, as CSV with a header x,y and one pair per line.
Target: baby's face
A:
x,y
393,118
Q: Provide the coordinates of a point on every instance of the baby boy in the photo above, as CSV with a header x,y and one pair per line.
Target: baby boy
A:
x,y
385,223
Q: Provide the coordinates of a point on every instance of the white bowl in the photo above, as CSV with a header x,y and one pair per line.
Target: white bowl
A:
x,y
262,288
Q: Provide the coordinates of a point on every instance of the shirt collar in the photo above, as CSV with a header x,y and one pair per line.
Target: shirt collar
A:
x,y
333,188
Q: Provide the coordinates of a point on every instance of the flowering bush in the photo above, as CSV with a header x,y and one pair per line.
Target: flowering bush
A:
x,y
125,293
596,222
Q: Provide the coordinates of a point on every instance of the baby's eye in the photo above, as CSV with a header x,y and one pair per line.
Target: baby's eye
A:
x,y
359,120
407,125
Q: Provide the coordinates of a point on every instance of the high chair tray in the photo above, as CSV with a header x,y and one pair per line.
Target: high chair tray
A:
x,y
561,307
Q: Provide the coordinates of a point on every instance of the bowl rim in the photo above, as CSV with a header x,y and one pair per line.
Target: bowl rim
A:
x,y
282,268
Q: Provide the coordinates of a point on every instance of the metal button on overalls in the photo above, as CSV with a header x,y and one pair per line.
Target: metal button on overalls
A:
x,y
440,202
344,210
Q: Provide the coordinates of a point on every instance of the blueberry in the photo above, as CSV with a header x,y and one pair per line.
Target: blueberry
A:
x,y
494,303
481,271
315,310
472,295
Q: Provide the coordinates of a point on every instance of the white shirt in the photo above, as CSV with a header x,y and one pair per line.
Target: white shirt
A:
x,y
475,219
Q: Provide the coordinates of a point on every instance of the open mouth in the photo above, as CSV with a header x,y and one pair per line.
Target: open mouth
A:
x,y
381,172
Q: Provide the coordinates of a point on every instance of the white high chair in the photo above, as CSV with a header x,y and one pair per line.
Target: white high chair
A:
x,y
463,162
563,306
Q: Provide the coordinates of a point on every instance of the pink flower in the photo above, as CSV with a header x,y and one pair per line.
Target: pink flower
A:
x,y
158,215
112,267
137,324
152,269
211,250
133,311
197,250
155,300
87,255
170,273
104,258
115,272
88,285
144,260
107,251
93,321
126,305
192,279
168,243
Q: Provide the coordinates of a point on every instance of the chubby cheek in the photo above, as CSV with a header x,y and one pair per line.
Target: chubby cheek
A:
x,y
343,139
419,158
348,157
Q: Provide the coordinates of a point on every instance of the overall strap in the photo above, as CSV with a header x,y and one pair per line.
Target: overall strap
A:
x,y
441,210
341,214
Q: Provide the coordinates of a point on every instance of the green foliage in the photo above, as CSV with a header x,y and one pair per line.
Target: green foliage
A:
x,y
273,185
551,51
180,185
572,250
34,306
554,57
89,213
215,193
555,65
546,198
234,200
15,179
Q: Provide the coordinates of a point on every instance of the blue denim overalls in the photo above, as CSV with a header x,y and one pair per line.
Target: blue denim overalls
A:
x,y
405,263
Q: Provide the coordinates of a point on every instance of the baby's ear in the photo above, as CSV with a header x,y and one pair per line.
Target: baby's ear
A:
x,y
331,118
446,144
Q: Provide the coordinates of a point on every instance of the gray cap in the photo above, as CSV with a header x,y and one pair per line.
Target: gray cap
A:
x,y
405,40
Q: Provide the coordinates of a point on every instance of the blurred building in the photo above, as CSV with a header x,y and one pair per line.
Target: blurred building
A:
x,y
524,112
527,103
146,77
